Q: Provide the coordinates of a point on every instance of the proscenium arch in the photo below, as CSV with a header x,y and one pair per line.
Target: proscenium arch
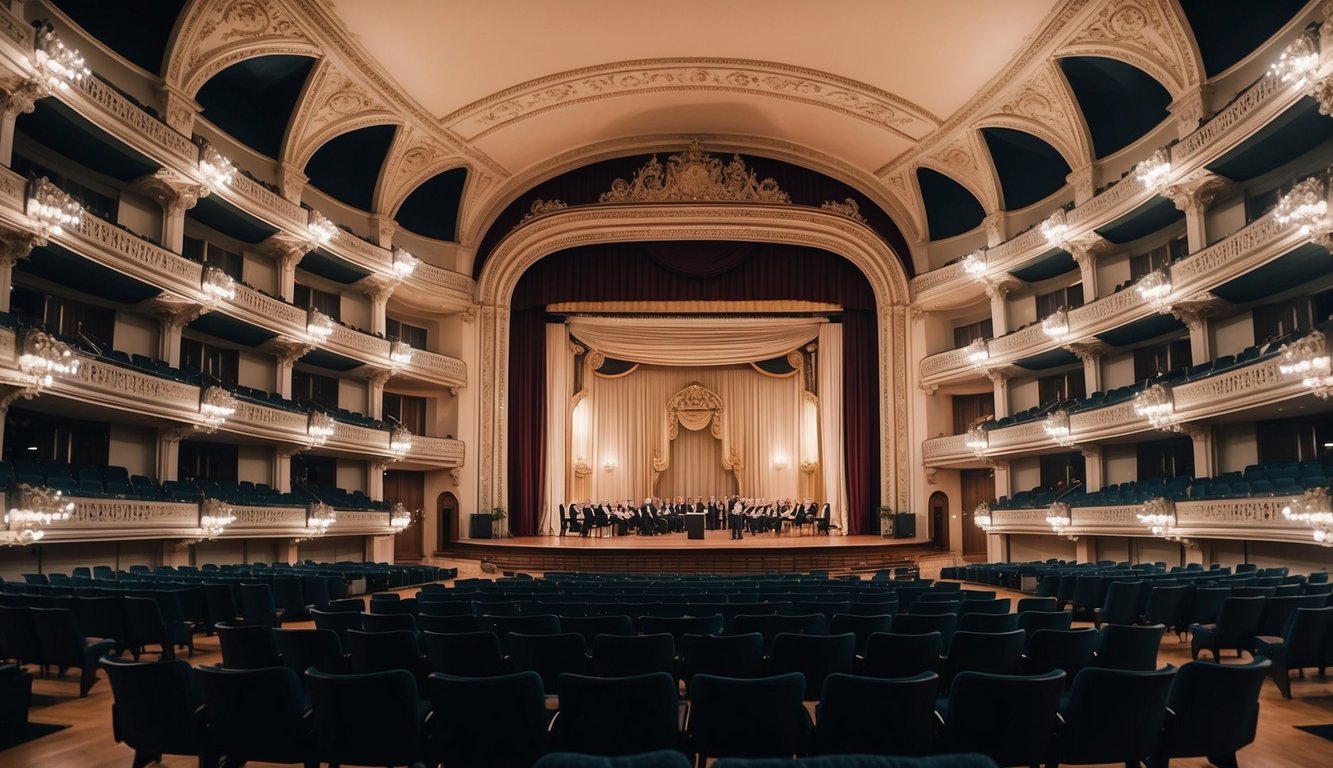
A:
x,y
792,225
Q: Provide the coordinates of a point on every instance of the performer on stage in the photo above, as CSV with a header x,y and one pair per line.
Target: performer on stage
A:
x,y
737,521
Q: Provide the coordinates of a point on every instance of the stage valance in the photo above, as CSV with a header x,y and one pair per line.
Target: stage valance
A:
x,y
691,341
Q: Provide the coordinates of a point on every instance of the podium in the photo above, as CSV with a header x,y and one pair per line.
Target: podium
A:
x,y
694,524
480,527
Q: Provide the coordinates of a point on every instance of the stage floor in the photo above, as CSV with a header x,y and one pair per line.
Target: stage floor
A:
x,y
711,540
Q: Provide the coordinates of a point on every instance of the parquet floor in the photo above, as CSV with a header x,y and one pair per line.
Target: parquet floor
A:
x,y
88,742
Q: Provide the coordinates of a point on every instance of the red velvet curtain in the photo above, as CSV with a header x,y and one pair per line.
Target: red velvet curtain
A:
x,y
860,404
527,419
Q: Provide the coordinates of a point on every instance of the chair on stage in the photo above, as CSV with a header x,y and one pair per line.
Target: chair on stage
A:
x,y
825,521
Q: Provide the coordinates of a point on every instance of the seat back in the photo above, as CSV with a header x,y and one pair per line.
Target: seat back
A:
x,y
301,649
1031,621
1125,647
465,730
1017,733
380,651
755,717
771,625
548,655
1068,650
465,654
18,637
624,655
1278,611
247,647
155,706
146,625
617,715
365,719
592,626
679,626
892,654
1309,639
867,715
388,622
1238,621
997,653
734,655
1214,708
916,624
256,714
1026,604
257,605
988,622
1113,715
862,626
58,637
814,656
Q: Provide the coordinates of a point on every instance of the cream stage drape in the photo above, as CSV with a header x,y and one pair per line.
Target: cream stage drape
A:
x,y
559,390
623,430
828,371
696,467
694,341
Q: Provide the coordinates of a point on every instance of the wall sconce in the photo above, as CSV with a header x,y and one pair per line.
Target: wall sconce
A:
x,y
779,463
610,465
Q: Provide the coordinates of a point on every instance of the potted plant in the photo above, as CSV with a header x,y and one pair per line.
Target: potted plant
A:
x,y
497,521
886,521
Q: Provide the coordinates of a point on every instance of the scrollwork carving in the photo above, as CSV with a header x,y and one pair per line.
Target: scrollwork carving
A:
x,y
694,176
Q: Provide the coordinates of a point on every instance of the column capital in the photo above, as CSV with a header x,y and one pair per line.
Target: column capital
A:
x,y
175,313
1001,285
1090,451
1196,192
180,110
456,476
21,97
378,288
1083,181
1088,351
468,315
169,189
928,389
1196,432
378,378
454,390
1001,373
1085,249
1189,110
287,450
1193,310
292,181
385,229
286,249
175,434
15,246
288,350
10,393
995,227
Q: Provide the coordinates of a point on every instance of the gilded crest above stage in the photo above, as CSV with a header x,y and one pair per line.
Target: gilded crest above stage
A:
x,y
693,176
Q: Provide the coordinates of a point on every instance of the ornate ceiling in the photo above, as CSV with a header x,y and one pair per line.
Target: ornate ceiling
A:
x,y
517,91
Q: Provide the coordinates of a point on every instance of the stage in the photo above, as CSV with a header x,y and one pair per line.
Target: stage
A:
x,y
716,553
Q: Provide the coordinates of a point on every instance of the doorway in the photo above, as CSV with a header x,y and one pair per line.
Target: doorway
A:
x,y
939,516
446,521
409,489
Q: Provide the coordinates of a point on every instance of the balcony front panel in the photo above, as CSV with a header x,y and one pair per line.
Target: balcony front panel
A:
x,y
1257,519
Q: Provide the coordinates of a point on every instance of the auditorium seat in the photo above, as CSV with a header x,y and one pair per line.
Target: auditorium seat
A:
x,y
622,715
155,711
755,717
1112,716
376,718
464,729
257,714
868,715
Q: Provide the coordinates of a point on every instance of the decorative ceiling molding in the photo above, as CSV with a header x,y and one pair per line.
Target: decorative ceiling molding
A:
x,y
965,161
694,176
331,105
761,78
1149,34
1044,106
215,34
413,158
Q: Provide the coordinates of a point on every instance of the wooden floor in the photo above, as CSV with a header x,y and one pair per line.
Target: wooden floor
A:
x,y
88,743
712,540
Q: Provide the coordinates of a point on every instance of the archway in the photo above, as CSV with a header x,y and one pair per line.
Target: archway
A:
x,y
938,519
446,520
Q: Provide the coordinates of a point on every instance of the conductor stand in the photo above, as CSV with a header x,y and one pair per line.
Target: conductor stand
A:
x,y
695,522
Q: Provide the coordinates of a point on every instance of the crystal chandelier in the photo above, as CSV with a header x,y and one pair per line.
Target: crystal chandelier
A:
x,y
319,518
1298,62
1154,172
1155,288
400,441
1305,206
977,441
46,357
320,228
216,405
1056,324
59,65
1156,405
400,352
38,507
1055,230
1308,358
1061,519
404,263
981,517
1057,428
399,517
977,354
320,428
974,264
1312,508
1159,517
52,208
216,169
214,516
318,324
217,285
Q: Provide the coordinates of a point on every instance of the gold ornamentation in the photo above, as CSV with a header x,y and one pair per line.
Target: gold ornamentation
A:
x,y
540,207
694,176
847,207
695,407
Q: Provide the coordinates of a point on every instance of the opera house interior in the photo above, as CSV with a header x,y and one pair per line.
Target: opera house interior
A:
x,y
501,312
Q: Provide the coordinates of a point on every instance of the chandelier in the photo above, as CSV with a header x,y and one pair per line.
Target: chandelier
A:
x,y
38,507
1298,62
400,441
59,65
1057,428
320,428
214,516
217,285
974,264
46,357
1154,288
1056,324
399,517
1154,172
981,517
1159,517
1308,358
319,518
216,169
318,324
216,405
977,441
1061,519
52,208
404,263
1055,230
320,228
977,354
400,352
1305,206
1312,508
1156,405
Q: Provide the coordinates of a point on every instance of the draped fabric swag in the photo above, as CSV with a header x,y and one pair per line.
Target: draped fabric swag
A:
x,y
560,388
694,341
828,370
696,467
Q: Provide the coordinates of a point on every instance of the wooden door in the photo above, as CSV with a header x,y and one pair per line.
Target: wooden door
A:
x,y
409,488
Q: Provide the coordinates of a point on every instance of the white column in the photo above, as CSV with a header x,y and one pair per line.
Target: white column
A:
x,y
1194,195
1092,467
176,195
14,247
282,467
379,293
1085,250
172,317
1205,458
285,353
375,469
999,314
1000,380
375,393
19,100
168,451
1083,181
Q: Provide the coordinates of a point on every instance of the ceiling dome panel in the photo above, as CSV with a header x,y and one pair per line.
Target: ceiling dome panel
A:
x,y
1120,102
253,100
347,167
432,208
950,208
1029,169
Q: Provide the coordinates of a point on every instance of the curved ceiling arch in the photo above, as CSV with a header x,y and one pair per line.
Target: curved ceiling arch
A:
x,y
210,36
947,212
1028,167
348,166
332,104
433,207
253,100
1120,102
1152,36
